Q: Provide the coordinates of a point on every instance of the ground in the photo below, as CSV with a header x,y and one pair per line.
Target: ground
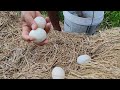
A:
x,y
19,59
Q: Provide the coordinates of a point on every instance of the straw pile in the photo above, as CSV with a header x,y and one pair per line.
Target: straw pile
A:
x,y
20,60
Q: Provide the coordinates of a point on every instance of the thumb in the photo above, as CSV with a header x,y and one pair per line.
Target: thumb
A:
x,y
34,26
47,27
30,21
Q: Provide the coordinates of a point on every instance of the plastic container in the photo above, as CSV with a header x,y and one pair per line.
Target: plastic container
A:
x,y
87,23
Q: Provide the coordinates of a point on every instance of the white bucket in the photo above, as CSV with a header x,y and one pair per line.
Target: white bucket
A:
x,y
86,24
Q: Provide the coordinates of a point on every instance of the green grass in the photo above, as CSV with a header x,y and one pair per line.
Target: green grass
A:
x,y
44,13
111,19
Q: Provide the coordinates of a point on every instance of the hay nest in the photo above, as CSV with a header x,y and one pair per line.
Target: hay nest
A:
x,y
20,60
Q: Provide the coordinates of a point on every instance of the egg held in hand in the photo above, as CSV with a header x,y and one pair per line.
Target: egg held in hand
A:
x,y
41,22
39,34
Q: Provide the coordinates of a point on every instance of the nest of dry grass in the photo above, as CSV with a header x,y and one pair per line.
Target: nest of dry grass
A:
x,y
20,60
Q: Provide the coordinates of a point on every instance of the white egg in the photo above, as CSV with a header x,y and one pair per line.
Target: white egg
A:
x,y
83,59
39,34
58,73
41,22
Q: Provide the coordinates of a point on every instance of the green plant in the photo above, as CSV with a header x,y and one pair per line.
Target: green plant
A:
x,y
111,19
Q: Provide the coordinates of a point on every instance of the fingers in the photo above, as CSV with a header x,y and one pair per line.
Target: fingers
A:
x,y
47,27
34,26
25,33
38,13
47,19
30,21
29,24
43,43
26,37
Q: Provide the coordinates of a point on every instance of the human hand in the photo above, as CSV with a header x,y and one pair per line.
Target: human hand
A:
x,y
29,24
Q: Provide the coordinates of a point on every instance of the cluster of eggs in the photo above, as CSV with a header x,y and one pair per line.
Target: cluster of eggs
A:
x,y
39,34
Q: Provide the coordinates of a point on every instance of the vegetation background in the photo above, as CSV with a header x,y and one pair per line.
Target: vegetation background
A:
x,y
111,19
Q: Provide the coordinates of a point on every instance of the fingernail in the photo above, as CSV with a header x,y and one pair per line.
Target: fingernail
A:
x,y
34,27
49,23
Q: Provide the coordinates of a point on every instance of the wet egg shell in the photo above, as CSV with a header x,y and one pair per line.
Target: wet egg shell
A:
x,y
58,73
39,34
41,22
82,59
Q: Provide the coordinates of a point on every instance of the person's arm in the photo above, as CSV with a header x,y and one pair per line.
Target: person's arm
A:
x,y
54,18
29,24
